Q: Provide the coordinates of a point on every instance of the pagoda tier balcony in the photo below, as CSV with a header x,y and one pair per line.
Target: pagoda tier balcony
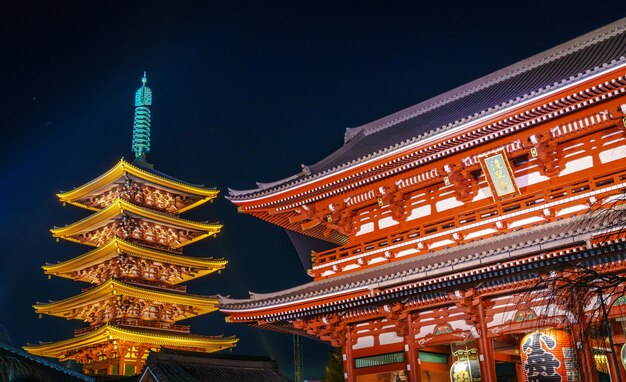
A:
x,y
136,323
130,222
87,347
116,299
122,259
142,186
140,282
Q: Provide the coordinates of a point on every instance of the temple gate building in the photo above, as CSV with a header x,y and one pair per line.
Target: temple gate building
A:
x,y
444,218
136,267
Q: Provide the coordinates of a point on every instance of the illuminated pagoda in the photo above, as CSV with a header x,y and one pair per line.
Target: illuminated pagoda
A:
x,y
444,217
136,267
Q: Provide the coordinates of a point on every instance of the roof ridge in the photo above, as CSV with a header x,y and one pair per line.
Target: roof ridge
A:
x,y
510,87
500,75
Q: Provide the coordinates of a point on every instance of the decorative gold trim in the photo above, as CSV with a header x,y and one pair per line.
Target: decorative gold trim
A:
x,y
118,246
118,207
122,168
110,333
111,288
499,174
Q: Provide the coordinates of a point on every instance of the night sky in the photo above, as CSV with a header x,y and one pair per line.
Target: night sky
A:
x,y
243,92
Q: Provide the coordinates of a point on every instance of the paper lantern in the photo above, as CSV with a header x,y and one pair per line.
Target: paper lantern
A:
x,y
467,367
547,356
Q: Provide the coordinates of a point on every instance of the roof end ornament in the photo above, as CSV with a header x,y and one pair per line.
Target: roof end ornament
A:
x,y
141,125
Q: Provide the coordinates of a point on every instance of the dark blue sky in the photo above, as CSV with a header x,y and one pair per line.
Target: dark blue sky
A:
x,y
243,92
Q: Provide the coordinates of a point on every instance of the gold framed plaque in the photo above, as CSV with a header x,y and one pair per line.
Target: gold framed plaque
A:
x,y
499,175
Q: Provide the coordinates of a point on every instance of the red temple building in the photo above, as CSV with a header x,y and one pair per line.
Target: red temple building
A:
x,y
443,218
136,267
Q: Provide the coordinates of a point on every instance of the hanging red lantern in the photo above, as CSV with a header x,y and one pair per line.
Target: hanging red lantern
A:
x,y
548,355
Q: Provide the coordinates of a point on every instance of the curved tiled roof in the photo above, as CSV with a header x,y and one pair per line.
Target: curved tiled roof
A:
x,y
18,363
549,236
151,337
179,366
555,68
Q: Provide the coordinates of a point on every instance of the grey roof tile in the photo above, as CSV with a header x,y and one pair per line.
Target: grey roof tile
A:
x,y
546,71
546,237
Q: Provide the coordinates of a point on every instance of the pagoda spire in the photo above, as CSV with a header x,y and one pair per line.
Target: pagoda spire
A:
x,y
141,126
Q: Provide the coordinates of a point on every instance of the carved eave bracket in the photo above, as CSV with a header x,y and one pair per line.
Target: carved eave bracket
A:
x,y
397,314
334,217
306,216
461,179
342,222
394,198
330,328
468,301
545,150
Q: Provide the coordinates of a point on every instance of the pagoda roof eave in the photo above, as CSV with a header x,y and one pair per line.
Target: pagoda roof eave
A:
x,y
119,206
151,337
112,287
117,246
122,168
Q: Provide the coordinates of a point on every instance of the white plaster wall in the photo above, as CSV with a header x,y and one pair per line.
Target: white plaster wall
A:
x,y
447,204
365,228
377,260
441,243
530,220
482,193
389,338
426,330
530,178
386,222
419,212
406,252
500,318
572,209
577,165
459,324
613,154
480,233
364,342
351,266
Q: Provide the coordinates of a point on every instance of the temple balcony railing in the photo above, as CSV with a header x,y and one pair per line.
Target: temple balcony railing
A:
x,y
137,323
522,207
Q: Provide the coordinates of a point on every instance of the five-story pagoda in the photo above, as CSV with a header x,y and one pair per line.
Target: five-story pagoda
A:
x,y
136,266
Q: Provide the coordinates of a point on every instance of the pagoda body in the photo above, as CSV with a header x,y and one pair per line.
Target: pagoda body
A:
x,y
136,266
442,216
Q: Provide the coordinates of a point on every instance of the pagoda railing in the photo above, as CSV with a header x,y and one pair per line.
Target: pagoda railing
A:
x,y
146,283
154,284
464,219
149,244
137,323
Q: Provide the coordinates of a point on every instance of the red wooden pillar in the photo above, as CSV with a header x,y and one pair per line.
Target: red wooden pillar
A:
x,y
612,367
587,363
412,356
120,365
620,367
485,347
519,373
348,362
